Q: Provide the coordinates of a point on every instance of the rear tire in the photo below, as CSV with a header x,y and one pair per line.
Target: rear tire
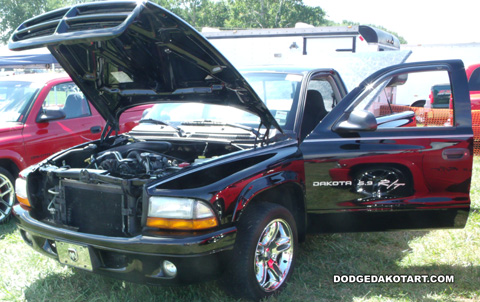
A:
x,y
7,195
264,253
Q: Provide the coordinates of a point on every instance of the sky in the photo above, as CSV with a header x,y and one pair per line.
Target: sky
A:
x,y
418,21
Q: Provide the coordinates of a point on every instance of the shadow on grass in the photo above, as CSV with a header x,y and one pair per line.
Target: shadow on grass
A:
x,y
7,228
324,256
84,286
319,259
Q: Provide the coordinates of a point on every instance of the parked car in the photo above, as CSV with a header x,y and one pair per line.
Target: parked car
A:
x,y
440,96
229,170
5,72
42,114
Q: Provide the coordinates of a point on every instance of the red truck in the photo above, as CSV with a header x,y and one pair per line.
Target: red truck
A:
x,y
440,94
473,75
41,114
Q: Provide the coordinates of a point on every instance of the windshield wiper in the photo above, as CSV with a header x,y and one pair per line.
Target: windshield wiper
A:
x,y
213,123
159,122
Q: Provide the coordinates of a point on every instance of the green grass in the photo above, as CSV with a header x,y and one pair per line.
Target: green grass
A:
x,y
28,276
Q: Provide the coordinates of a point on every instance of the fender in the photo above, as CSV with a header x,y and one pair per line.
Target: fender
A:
x,y
295,175
14,157
226,177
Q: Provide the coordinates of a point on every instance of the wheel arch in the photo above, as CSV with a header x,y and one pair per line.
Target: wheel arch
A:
x,y
290,195
10,165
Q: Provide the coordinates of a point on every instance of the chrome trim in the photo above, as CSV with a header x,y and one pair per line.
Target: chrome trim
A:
x,y
385,138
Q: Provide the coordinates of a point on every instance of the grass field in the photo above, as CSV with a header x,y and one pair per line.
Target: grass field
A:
x,y
28,276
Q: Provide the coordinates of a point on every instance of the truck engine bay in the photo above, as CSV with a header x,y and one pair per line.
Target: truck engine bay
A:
x,y
97,188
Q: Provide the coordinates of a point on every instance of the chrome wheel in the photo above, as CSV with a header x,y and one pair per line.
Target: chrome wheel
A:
x,y
7,197
263,258
273,255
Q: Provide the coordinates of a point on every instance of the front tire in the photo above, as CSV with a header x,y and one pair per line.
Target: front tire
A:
x,y
7,195
264,252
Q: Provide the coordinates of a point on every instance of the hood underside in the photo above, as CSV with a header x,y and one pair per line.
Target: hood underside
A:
x,y
127,53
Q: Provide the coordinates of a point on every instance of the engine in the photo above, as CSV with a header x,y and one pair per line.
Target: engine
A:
x,y
98,188
135,164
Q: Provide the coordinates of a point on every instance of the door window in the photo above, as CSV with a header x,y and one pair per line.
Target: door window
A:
x,y
69,98
324,87
320,99
417,99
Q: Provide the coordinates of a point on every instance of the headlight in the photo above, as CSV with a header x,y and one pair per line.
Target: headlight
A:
x,y
21,191
180,214
21,186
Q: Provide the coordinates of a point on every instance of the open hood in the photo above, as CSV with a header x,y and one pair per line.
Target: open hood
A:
x,y
126,53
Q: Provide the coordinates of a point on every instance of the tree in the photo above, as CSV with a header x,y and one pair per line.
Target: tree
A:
x,y
245,13
198,13
189,10
272,13
13,13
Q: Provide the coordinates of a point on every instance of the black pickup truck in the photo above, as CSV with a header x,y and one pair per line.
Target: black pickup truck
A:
x,y
228,170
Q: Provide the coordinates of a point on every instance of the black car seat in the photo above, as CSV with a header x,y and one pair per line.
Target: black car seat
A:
x,y
314,112
74,106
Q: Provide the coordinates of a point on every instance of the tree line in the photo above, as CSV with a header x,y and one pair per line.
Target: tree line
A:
x,y
225,14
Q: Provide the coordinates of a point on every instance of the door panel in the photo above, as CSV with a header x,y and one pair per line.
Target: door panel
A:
x,y
43,139
412,162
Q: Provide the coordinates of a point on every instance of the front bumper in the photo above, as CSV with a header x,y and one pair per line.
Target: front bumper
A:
x,y
197,256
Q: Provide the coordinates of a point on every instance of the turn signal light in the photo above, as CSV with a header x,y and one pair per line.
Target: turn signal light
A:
x,y
177,213
21,191
182,224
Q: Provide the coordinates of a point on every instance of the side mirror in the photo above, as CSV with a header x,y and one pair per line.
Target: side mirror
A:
x,y
145,112
398,80
359,120
47,115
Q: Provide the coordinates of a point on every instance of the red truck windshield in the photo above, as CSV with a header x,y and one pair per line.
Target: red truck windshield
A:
x,y
15,98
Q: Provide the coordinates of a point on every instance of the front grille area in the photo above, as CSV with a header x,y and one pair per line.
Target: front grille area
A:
x,y
94,208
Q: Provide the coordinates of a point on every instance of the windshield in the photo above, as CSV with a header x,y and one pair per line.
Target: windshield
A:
x,y
15,99
176,113
278,91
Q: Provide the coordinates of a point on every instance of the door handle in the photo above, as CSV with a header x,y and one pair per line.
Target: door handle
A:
x,y
96,129
455,153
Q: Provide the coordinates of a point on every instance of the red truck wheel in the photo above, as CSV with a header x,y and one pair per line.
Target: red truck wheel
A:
x,y
7,195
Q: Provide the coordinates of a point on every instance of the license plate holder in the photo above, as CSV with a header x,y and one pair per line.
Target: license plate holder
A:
x,y
75,255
